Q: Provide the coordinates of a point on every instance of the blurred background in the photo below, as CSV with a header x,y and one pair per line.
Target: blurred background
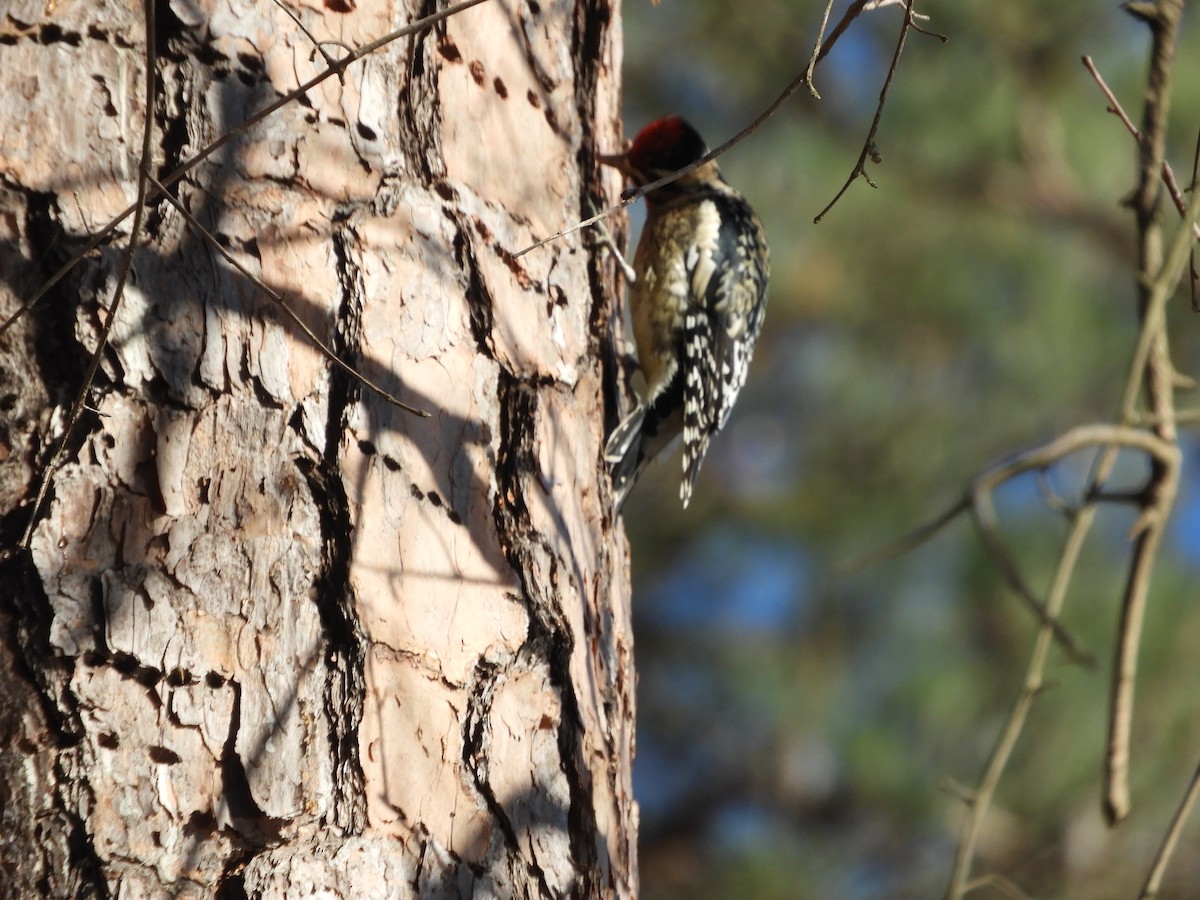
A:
x,y
800,730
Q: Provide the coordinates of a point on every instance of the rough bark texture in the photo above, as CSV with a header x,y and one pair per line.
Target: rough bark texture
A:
x,y
274,636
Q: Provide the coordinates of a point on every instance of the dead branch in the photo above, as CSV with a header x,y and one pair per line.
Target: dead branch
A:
x,y
1153,374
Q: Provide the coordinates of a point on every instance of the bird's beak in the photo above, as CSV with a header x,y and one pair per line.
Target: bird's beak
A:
x,y
619,161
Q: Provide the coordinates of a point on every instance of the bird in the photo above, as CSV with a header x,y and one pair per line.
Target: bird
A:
x,y
696,302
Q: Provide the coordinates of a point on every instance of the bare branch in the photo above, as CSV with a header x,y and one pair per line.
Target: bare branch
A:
x,y
1152,372
634,194
1007,740
578,226
1111,438
869,150
978,500
853,11
986,523
1162,491
819,48
1170,840
1168,174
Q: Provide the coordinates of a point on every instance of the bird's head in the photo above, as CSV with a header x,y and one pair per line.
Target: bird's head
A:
x,y
662,147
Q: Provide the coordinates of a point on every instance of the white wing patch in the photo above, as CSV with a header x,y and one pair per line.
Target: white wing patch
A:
x,y
722,323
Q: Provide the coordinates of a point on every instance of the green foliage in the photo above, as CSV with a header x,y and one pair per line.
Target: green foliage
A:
x,y
979,302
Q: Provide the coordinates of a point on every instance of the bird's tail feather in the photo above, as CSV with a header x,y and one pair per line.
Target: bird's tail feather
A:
x,y
623,452
641,438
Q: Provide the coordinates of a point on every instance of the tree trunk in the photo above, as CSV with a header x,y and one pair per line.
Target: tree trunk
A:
x,y
273,635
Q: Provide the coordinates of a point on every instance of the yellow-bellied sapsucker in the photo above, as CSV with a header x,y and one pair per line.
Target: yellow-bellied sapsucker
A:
x,y
697,302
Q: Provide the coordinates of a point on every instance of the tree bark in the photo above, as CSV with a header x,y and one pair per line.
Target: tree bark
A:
x,y
272,634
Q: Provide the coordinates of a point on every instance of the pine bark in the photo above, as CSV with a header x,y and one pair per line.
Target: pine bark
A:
x,y
273,635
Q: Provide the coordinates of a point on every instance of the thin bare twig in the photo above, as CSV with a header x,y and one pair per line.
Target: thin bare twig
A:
x,y
139,212
819,48
869,150
853,11
822,47
317,45
908,541
281,302
988,527
1114,107
1170,840
632,195
590,220
981,799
